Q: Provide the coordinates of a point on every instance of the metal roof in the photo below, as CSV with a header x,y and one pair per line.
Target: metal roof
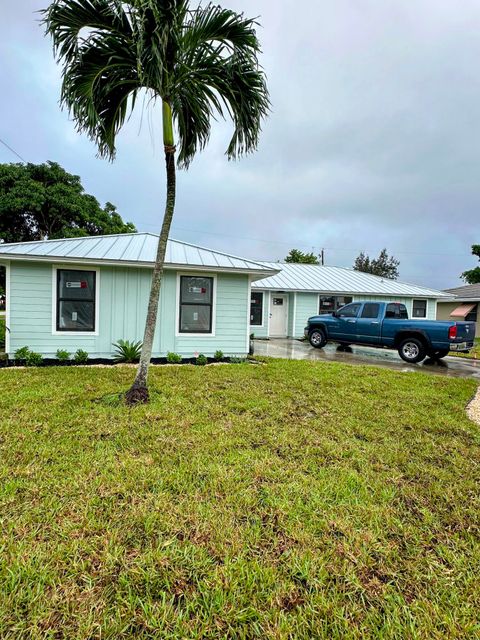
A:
x,y
134,249
322,279
466,292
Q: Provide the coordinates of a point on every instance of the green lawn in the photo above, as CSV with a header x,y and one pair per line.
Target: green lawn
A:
x,y
291,500
474,353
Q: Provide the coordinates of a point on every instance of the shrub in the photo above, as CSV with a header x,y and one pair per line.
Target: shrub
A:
x,y
22,353
218,355
63,355
174,358
238,360
127,351
201,360
80,357
33,359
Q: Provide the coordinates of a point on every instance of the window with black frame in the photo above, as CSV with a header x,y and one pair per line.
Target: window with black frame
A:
x,y
328,304
196,304
75,300
419,309
256,308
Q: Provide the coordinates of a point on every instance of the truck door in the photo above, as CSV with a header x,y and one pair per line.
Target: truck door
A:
x,y
345,327
369,326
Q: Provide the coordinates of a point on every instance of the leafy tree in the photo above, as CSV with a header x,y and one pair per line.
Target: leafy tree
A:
x,y
298,256
196,61
40,201
385,266
473,275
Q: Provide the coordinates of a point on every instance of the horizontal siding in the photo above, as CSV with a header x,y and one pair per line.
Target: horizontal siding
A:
x,y
123,299
307,305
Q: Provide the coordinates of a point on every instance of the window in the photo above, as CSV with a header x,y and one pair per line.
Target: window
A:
x,y
75,300
396,311
472,316
327,304
256,308
196,304
419,309
370,310
350,310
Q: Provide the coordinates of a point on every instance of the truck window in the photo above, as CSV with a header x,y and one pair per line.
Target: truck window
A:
x,y
370,310
350,310
396,311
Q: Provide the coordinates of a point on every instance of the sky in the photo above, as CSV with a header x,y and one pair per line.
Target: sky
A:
x,y
373,139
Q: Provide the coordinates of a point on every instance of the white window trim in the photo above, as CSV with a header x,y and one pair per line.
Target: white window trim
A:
x,y
426,308
7,306
72,267
182,334
257,326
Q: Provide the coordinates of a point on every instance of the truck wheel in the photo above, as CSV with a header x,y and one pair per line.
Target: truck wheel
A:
x,y
317,338
439,354
412,350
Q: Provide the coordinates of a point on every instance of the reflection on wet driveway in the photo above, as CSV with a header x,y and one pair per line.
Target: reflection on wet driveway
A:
x,y
299,350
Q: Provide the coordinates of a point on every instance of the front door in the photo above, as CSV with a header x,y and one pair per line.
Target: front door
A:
x,y
278,316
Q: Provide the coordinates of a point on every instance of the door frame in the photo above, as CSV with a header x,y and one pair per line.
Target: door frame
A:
x,y
286,297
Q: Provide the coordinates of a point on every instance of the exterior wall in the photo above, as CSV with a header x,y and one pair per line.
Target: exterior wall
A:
x,y
123,298
444,309
303,305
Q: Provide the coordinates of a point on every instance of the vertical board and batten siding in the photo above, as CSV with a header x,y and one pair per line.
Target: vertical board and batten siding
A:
x,y
123,298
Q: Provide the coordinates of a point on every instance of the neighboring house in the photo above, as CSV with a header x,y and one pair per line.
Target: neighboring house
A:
x,y
281,303
90,292
463,303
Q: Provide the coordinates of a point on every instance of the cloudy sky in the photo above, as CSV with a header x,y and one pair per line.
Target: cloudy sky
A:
x,y
373,140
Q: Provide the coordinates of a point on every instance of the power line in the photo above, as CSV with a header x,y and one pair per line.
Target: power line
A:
x,y
12,150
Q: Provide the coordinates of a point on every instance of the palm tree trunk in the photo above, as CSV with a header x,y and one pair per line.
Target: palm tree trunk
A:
x,y
138,392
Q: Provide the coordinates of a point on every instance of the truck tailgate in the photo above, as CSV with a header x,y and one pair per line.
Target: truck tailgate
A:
x,y
465,331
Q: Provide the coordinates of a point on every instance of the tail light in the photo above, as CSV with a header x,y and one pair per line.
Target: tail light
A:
x,y
452,332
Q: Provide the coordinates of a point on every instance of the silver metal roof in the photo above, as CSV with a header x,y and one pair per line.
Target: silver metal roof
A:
x,y
137,249
322,279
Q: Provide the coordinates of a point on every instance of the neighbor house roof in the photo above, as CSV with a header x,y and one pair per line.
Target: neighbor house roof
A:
x,y
322,279
465,293
132,249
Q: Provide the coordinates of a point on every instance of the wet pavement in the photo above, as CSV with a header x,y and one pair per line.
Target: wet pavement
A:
x,y
299,350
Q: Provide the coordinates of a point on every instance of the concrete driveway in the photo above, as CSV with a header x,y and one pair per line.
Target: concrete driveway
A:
x,y
299,350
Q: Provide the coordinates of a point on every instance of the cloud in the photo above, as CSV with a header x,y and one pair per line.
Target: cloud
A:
x,y
373,139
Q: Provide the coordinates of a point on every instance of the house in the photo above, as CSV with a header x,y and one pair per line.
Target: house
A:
x,y
87,293
462,304
282,302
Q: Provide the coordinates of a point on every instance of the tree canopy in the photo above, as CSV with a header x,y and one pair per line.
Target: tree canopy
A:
x,y
385,266
40,201
472,276
298,256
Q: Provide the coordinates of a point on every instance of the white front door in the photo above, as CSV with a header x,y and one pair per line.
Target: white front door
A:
x,y
278,315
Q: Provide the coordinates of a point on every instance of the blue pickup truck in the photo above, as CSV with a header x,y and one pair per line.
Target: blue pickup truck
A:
x,y
386,324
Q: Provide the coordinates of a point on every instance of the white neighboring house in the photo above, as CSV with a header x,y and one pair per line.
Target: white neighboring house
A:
x,y
282,303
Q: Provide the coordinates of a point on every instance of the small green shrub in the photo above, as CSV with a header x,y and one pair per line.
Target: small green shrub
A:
x,y
127,351
33,359
218,355
80,357
174,358
22,353
201,360
238,360
63,355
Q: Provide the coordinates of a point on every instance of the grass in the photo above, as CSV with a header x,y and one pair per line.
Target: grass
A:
x,y
474,353
290,500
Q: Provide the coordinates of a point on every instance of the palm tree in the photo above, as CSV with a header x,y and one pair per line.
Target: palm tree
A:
x,y
199,62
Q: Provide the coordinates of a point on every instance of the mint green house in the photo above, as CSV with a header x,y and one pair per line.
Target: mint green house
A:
x,y
87,293
282,302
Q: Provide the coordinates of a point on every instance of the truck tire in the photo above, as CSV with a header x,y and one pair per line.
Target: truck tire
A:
x,y
317,338
412,350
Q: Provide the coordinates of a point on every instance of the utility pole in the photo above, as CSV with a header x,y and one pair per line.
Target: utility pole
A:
x,y
322,257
